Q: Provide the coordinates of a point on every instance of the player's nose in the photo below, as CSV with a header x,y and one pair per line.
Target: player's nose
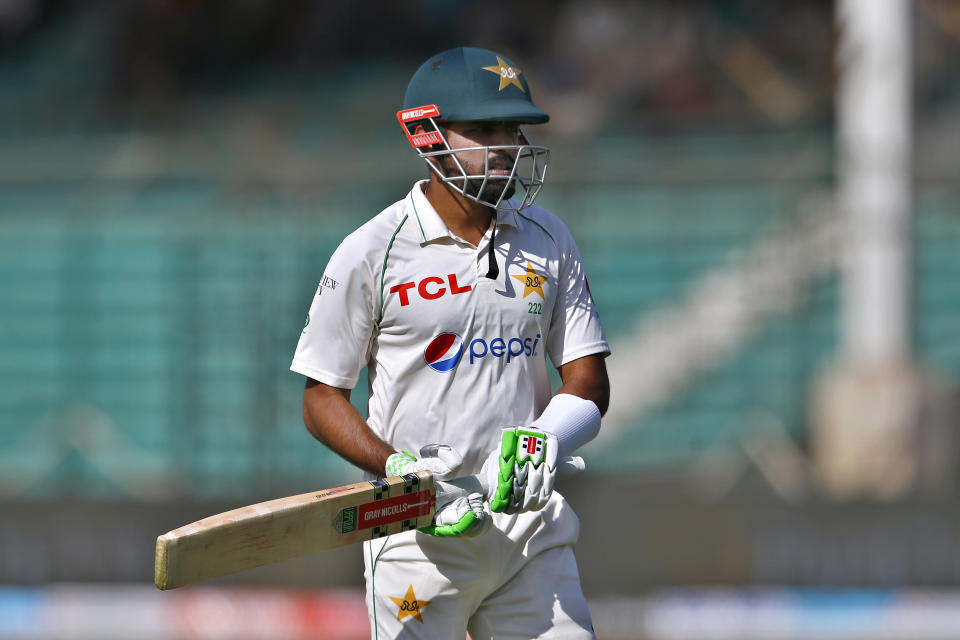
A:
x,y
502,159
501,136
505,140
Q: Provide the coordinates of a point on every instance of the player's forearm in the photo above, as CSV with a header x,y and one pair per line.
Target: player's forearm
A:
x,y
587,378
331,419
573,414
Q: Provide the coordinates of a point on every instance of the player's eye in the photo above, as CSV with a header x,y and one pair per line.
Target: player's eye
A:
x,y
488,129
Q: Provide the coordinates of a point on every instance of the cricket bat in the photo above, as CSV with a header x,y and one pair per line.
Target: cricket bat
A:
x,y
299,525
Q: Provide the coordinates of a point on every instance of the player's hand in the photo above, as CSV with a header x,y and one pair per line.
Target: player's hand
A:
x,y
440,459
465,516
520,473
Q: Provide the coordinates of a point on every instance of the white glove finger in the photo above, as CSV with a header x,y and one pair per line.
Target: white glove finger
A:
x,y
546,487
431,450
436,466
570,465
542,487
490,471
531,494
450,457
484,520
440,459
553,448
521,476
476,503
452,512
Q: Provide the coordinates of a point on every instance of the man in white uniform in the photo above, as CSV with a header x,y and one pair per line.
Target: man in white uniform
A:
x,y
454,298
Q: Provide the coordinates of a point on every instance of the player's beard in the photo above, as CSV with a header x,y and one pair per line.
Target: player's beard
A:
x,y
495,186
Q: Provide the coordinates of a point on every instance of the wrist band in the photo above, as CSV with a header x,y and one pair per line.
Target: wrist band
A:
x,y
574,420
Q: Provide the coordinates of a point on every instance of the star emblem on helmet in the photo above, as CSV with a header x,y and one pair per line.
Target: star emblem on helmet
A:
x,y
508,75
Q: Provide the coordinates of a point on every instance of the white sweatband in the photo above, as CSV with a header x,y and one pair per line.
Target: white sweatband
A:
x,y
572,419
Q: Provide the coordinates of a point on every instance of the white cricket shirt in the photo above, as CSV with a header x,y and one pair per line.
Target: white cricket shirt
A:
x,y
453,356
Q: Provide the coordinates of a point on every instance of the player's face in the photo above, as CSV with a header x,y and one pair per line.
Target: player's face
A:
x,y
463,135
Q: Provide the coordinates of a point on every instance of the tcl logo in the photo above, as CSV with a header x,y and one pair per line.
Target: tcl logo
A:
x,y
430,288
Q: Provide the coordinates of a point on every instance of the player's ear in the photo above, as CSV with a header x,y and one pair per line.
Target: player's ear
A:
x,y
419,128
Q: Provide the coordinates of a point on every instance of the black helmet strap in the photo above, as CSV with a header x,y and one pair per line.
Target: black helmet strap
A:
x,y
493,271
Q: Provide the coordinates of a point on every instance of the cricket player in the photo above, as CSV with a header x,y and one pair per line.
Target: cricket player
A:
x,y
454,298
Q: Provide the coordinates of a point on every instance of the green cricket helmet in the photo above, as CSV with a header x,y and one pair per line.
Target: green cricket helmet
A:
x,y
467,84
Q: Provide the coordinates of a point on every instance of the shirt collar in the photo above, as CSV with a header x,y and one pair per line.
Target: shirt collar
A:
x,y
431,226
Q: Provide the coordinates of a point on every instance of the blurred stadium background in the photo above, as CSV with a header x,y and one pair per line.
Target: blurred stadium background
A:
x,y
767,199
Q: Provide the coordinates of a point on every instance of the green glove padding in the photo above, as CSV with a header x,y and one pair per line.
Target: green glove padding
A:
x,y
465,516
500,499
520,475
462,527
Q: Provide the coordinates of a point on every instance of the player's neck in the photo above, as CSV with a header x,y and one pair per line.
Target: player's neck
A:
x,y
464,217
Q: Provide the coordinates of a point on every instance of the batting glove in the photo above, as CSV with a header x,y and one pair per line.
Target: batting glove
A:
x,y
520,473
465,516
443,461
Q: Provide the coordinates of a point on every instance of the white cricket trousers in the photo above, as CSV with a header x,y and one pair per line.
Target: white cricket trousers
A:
x,y
518,580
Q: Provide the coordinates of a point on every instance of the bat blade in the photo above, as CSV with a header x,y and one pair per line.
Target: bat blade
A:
x,y
295,526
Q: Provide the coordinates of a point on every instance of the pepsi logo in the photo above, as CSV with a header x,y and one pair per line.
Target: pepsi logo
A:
x,y
444,351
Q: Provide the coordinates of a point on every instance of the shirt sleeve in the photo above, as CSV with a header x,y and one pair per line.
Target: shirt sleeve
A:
x,y
335,343
575,329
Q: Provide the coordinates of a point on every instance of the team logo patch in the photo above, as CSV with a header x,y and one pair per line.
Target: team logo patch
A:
x,y
444,351
409,605
508,74
530,445
532,282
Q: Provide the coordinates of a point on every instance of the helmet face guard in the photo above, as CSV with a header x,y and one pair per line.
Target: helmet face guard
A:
x,y
528,171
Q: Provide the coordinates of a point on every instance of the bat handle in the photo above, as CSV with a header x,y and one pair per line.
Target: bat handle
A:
x,y
450,490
